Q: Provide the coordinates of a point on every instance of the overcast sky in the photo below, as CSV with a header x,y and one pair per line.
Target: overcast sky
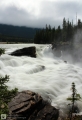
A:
x,y
38,13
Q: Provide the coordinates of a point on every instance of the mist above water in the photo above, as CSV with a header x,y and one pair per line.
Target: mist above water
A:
x,y
71,52
47,74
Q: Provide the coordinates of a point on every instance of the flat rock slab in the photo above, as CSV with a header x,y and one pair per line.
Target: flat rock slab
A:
x,y
28,105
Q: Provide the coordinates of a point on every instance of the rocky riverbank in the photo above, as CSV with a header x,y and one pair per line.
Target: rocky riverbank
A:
x,y
28,105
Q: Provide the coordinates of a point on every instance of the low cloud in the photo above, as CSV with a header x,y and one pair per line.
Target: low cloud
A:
x,y
38,13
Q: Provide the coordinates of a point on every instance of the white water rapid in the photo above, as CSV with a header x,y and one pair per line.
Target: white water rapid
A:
x,y
47,75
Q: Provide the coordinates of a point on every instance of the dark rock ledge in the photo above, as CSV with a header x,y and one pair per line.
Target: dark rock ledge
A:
x,y
27,105
27,51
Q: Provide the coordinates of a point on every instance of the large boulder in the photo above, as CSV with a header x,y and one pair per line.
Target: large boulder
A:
x,y
28,105
27,51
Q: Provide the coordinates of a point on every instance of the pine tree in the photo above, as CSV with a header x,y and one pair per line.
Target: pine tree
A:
x,y
64,30
73,98
5,94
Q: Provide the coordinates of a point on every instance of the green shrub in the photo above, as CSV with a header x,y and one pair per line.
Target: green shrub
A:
x,y
5,94
2,51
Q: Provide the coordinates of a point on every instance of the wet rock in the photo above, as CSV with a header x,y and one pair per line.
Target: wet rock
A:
x,y
65,61
47,113
75,109
27,51
28,105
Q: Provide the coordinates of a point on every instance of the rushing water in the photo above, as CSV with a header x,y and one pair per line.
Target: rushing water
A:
x,y
47,75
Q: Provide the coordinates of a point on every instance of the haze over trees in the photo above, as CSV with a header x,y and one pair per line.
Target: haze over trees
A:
x,y
47,35
10,33
59,35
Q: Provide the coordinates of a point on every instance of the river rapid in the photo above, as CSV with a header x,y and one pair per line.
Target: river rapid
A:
x,y
47,74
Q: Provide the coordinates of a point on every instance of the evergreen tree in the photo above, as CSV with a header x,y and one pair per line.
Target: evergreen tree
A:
x,y
79,24
64,33
5,94
49,35
73,98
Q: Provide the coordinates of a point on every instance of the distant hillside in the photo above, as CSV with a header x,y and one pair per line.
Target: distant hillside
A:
x,y
16,31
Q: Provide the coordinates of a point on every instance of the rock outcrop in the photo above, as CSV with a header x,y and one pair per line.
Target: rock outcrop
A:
x,y
27,51
28,105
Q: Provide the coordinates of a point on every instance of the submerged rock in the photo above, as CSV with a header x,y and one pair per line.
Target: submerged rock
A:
x,y
28,105
65,61
27,51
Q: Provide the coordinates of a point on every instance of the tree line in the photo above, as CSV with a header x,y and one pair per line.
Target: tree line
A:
x,y
57,35
14,39
10,33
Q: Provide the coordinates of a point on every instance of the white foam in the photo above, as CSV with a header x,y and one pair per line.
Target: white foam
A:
x,y
53,83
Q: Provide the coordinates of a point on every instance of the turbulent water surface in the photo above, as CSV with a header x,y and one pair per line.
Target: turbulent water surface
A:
x,y
47,75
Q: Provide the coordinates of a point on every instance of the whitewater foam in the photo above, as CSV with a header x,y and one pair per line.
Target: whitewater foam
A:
x,y
53,81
